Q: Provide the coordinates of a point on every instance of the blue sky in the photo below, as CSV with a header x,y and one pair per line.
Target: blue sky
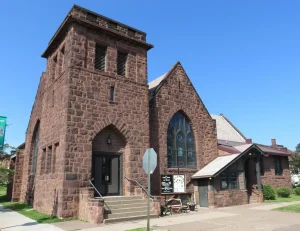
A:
x,y
243,57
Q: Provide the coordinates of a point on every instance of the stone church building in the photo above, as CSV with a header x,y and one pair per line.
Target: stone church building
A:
x,y
90,125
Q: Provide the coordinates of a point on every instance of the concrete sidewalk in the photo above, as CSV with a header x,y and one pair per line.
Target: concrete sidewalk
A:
x,y
161,223
13,221
275,206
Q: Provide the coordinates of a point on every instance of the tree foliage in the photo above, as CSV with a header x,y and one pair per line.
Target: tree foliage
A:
x,y
6,175
297,150
295,162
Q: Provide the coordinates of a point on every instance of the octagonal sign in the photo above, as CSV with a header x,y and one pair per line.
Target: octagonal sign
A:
x,y
153,160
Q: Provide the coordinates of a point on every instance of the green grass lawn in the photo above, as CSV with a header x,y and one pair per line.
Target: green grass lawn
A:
x,y
27,210
293,197
289,208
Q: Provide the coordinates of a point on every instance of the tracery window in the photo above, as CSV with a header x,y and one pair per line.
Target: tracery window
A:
x,y
180,143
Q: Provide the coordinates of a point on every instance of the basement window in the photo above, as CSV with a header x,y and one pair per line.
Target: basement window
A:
x,y
121,63
100,55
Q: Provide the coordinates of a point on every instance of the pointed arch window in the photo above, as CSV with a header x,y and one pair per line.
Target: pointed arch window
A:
x,y
180,143
35,149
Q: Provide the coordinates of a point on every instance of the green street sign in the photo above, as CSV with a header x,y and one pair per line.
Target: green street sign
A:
x,y
2,131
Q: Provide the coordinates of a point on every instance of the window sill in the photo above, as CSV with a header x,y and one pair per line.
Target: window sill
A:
x,y
181,169
99,71
113,102
231,190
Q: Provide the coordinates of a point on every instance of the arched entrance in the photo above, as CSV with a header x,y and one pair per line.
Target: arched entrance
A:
x,y
108,147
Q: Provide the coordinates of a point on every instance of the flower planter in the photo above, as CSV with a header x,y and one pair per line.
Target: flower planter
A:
x,y
192,207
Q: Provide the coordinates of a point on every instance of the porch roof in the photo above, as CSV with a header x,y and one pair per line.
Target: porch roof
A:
x,y
215,166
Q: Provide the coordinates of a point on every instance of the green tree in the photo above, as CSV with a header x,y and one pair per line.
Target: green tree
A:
x,y
297,150
295,162
5,174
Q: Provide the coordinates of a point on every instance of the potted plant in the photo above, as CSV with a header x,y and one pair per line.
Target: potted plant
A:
x,y
191,205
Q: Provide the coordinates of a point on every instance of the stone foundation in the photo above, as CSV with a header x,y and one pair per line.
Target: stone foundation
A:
x,y
90,209
258,195
227,198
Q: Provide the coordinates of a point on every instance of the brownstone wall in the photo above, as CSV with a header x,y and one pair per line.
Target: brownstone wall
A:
x,y
227,198
276,181
18,176
49,110
178,94
90,209
90,110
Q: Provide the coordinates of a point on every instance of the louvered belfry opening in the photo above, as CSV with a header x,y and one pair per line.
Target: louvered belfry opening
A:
x,y
100,58
122,57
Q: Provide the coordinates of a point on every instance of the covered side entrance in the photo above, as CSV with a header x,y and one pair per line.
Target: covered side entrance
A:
x,y
107,162
233,179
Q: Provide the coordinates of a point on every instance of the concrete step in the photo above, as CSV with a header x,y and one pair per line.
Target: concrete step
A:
x,y
122,206
127,214
125,202
121,198
126,209
122,219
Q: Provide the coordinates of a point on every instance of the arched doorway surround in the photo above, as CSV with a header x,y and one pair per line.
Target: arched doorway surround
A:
x,y
108,148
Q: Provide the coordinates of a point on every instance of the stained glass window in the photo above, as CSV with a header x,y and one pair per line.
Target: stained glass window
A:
x,y
180,143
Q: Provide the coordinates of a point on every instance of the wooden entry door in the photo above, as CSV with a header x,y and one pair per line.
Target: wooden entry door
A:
x,y
107,173
203,192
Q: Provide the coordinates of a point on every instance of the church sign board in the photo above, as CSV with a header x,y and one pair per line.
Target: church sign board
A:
x,y
172,184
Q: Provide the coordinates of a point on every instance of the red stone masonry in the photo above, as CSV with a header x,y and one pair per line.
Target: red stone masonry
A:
x,y
178,94
269,176
72,106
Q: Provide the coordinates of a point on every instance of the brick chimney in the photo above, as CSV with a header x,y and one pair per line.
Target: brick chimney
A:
x,y
273,142
249,141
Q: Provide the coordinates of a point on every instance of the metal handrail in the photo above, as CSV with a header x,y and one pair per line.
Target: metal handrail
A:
x,y
141,186
95,188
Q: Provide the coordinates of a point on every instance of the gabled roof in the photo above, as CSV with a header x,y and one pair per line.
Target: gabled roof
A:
x,y
154,83
226,130
219,164
215,166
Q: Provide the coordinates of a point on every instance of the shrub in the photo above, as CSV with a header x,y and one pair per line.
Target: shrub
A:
x,y
297,191
269,192
283,192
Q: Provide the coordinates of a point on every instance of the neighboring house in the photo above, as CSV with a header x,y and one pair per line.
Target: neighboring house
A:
x,y
94,116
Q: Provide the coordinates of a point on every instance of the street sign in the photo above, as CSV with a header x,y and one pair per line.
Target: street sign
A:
x,y
153,160
149,165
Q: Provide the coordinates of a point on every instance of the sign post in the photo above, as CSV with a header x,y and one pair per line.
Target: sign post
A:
x,y
2,131
148,213
149,164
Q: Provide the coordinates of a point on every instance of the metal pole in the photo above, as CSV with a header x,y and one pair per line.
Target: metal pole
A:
x,y
148,215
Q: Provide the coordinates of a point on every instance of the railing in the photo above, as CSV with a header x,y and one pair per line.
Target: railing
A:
x,y
141,186
95,188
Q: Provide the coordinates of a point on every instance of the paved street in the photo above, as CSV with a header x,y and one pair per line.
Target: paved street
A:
x,y
241,218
